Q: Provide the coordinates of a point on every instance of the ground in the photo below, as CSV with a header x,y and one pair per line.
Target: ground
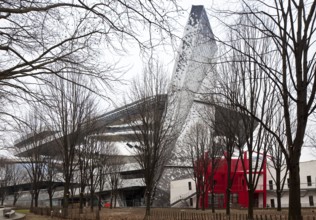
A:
x,y
138,213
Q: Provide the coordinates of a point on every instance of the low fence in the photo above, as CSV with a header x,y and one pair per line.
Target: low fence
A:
x,y
168,214
73,214
191,215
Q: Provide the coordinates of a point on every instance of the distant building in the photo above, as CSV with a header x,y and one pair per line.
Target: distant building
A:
x,y
308,186
192,69
183,192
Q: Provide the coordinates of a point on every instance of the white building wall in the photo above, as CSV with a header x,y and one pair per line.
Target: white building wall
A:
x,y
260,182
308,189
181,191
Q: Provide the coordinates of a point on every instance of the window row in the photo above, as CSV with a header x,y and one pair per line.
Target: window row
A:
x,y
310,198
309,182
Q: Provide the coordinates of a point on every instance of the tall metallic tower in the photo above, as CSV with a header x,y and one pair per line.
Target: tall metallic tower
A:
x,y
193,64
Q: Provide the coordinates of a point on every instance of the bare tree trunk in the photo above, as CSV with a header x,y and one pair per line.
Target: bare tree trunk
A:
x,y
203,199
66,200
15,199
278,189
228,190
279,203
111,201
228,195
250,204
99,206
212,193
98,216
295,212
213,201
115,198
197,200
91,200
50,195
36,194
32,201
81,200
148,201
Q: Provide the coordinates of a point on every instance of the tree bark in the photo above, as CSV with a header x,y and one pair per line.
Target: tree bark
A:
x,y
197,200
250,205
50,195
81,201
228,190
66,200
278,189
212,193
148,201
32,201
279,203
203,198
294,195
91,199
111,201
36,193
228,195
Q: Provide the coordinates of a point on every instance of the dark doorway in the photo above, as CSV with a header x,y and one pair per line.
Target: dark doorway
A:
x,y
134,197
272,203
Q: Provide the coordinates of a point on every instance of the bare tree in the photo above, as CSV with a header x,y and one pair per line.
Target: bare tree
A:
x,y
18,176
83,164
40,37
87,159
205,158
291,27
51,175
248,91
97,155
226,130
277,166
278,170
11,176
93,169
113,168
4,179
32,42
151,130
69,108
32,132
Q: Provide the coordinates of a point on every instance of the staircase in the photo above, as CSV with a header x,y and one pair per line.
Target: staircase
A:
x,y
182,198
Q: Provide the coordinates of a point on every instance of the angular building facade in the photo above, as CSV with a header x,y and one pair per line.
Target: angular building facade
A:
x,y
192,71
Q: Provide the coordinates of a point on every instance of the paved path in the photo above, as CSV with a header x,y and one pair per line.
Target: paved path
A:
x,y
15,216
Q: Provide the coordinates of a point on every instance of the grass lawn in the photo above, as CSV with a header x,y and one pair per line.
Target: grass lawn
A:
x,y
23,211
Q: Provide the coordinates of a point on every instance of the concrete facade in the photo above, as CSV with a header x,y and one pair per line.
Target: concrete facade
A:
x,y
308,186
179,189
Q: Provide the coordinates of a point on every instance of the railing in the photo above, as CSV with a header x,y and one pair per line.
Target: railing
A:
x,y
181,198
310,185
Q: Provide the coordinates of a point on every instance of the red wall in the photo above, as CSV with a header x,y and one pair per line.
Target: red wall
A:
x,y
239,185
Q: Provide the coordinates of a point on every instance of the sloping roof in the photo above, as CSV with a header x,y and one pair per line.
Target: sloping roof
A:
x,y
228,122
103,123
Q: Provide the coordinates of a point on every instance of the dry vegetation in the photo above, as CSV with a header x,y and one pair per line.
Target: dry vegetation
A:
x,y
174,213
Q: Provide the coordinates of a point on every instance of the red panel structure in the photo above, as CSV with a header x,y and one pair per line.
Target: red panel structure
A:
x,y
239,189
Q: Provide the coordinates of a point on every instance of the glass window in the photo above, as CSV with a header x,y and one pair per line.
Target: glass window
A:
x,y
270,184
190,185
191,201
272,203
309,180
311,200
